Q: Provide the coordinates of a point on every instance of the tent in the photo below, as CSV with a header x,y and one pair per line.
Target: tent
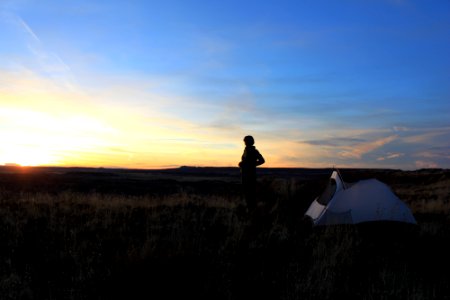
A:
x,y
363,201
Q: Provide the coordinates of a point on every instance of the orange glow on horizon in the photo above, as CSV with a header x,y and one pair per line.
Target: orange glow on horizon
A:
x,y
43,124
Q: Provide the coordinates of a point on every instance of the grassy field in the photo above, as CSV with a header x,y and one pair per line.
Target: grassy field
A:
x,y
90,234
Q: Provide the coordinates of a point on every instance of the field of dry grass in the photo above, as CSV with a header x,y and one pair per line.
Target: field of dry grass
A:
x,y
195,241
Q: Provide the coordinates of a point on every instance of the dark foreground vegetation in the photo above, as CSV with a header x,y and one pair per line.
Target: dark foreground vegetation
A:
x,y
184,233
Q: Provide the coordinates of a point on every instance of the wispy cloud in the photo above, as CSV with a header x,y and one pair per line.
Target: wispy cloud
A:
x,y
27,29
358,150
425,135
334,142
400,128
390,156
40,59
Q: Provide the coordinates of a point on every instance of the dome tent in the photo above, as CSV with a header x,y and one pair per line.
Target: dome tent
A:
x,y
364,201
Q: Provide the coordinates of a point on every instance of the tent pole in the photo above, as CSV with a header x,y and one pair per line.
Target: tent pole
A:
x,y
342,179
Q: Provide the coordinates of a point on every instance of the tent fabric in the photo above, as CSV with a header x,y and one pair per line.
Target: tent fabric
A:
x,y
365,201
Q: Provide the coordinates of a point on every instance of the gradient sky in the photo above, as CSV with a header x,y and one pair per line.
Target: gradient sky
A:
x,y
151,84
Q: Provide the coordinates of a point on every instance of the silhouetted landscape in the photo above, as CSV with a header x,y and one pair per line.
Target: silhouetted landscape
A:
x,y
82,233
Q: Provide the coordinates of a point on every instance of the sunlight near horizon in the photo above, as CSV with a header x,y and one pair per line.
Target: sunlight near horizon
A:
x,y
52,137
28,157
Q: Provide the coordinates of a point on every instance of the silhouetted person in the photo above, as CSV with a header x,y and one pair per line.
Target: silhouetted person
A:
x,y
251,158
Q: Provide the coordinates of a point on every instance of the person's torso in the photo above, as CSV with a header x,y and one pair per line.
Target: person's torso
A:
x,y
250,157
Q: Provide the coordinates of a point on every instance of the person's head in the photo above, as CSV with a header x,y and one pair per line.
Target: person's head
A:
x,y
249,141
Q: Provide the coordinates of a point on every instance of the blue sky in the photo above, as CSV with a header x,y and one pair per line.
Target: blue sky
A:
x,y
166,83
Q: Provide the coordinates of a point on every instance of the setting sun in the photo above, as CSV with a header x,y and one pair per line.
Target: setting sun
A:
x,y
34,137
28,157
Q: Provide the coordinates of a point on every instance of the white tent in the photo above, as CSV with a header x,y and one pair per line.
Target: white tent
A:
x,y
363,201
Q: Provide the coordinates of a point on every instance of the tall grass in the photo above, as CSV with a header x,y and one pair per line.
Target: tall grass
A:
x,y
100,246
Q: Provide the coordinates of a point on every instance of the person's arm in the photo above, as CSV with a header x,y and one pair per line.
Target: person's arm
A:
x,y
260,160
242,162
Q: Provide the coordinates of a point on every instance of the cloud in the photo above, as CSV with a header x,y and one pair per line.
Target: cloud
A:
x,y
390,156
334,142
426,164
400,128
214,45
40,59
425,135
435,152
27,29
358,150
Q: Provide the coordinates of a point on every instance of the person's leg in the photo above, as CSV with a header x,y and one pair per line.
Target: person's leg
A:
x,y
250,193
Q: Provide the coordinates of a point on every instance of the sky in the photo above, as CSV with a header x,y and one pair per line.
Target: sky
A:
x,y
161,84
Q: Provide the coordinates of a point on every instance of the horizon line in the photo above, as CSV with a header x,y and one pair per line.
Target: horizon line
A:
x,y
162,168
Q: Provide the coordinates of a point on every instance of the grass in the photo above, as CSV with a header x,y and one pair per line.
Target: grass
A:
x,y
70,245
